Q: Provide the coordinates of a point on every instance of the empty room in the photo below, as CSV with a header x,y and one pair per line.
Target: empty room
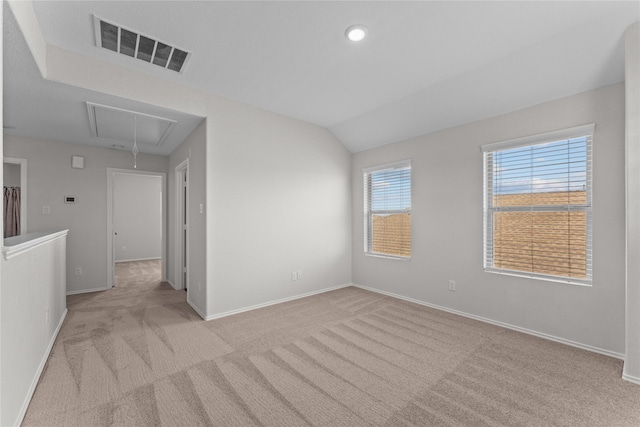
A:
x,y
324,213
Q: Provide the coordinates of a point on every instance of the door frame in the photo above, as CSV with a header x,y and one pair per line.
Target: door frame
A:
x,y
23,189
181,200
111,172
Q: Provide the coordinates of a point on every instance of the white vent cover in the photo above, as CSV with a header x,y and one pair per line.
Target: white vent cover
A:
x,y
118,124
130,43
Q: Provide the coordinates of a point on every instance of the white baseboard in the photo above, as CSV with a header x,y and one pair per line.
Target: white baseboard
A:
x,y
86,291
267,304
36,378
501,324
138,259
172,285
630,378
196,309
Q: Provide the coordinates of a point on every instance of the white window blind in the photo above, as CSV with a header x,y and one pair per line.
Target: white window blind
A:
x,y
537,206
387,210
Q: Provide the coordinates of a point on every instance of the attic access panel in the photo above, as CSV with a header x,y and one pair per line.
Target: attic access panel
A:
x,y
135,45
118,124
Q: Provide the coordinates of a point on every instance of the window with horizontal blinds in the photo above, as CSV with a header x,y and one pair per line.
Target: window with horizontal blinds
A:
x,y
387,210
537,206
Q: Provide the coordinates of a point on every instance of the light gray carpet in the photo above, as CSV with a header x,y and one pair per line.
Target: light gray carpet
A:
x,y
138,355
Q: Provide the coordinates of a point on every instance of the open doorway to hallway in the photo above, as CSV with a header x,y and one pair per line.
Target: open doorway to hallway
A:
x,y
136,227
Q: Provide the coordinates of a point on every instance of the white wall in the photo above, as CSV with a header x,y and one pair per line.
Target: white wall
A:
x,y
632,99
11,173
137,217
447,218
33,308
279,195
193,148
50,178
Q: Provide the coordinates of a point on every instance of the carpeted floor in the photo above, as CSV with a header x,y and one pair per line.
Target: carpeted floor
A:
x,y
138,355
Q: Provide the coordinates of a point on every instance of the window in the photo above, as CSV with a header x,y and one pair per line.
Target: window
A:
x,y
537,206
387,210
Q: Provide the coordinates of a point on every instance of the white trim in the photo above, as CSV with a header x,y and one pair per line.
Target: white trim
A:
x,y
630,378
501,324
14,246
110,250
393,165
86,291
172,285
138,259
540,276
36,378
279,301
196,309
385,256
23,189
556,135
179,250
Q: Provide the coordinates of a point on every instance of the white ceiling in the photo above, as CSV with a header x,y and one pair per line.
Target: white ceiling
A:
x,y
424,66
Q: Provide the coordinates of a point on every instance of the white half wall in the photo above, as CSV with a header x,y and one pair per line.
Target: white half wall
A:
x,y
137,217
33,309
50,177
447,226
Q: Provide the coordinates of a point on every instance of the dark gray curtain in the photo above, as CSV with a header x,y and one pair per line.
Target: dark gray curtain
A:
x,y
11,211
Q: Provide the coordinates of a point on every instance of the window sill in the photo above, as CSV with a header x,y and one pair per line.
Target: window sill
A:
x,y
540,277
397,258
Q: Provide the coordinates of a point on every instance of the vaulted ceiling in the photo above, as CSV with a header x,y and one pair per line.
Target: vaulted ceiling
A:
x,y
424,66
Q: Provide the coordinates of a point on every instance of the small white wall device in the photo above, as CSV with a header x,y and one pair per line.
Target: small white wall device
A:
x,y
77,162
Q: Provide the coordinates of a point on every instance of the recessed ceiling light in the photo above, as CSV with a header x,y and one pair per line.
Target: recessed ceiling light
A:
x,y
355,33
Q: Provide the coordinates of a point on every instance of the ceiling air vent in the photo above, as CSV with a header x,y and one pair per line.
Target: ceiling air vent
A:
x,y
117,39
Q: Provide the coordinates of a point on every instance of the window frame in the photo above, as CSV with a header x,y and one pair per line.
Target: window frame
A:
x,y
489,210
369,212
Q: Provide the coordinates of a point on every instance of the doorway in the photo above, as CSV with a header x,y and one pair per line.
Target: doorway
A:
x,y
136,220
15,182
182,226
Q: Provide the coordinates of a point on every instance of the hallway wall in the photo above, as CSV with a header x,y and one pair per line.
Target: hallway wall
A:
x,y
50,178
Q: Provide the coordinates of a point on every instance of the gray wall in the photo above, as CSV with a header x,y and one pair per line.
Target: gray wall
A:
x,y
11,173
447,219
50,177
137,217
278,192
632,110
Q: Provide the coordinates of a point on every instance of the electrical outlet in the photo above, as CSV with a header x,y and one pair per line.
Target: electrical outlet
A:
x,y
294,276
124,249
299,275
452,285
47,316
46,210
79,271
